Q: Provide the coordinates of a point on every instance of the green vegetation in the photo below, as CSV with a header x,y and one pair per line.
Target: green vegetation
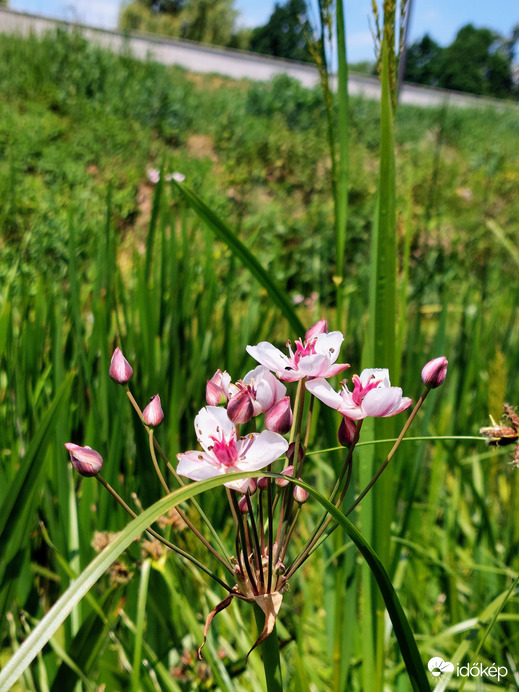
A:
x,y
93,256
478,61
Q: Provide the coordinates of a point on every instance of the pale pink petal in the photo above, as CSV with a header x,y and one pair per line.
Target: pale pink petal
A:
x,y
322,389
329,345
269,356
212,421
198,466
335,369
381,401
256,453
405,403
313,366
379,374
318,328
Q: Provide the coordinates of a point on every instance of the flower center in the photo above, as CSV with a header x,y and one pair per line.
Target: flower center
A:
x,y
306,348
359,392
225,452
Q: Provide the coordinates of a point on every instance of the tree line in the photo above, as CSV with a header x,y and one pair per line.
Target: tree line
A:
x,y
478,61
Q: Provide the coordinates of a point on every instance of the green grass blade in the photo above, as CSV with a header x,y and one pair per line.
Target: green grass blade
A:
x,y
222,231
140,624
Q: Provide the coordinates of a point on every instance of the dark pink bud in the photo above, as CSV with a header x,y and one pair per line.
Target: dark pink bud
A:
x,y
288,471
240,408
120,370
434,372
291,451
320,327
346,432
263,483
153,414
279,418
300,494
242,504
85,460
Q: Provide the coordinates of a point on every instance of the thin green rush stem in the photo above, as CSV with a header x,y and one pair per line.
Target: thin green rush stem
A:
x,y
160,538
223,556
151,437
244,543
325,520
255,536
372,481
390,455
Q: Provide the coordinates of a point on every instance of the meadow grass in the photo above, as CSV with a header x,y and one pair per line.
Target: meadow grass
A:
x,y
94,256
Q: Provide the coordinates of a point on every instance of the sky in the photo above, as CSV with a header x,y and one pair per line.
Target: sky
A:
x,y
440,18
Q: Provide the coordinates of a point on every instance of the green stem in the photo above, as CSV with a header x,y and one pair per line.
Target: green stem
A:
x,y
270,655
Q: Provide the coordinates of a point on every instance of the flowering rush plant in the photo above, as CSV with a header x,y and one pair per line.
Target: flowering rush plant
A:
x,y
256,426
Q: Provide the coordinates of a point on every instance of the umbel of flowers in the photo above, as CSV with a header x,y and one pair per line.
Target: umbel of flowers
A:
x,y
255,424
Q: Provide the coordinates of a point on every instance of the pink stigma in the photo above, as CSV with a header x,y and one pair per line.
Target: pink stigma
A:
x,y
225,452
359,392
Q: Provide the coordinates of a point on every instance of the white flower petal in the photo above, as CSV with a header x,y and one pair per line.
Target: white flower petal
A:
x,y
212,421
322,389
381,401
257,452
198,466
269,356
329,345
381,374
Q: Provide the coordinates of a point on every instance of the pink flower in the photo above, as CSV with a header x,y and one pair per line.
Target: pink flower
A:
x,y
217,389
312,358
372,395
434,372
120,370
85,460
257,393
153,414
224,453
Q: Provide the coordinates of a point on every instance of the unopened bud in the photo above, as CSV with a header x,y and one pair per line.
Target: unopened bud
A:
x,y
243,505
85,460
279,568
282,482
300,494
263,482
320,327
240,408
120,370
279,418
291,452
153,414
346,433
217,388
435,372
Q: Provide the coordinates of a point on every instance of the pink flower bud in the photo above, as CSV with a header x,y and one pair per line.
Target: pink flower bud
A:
x,y
153,414
279,418
300,494
120,370
346,432
85,460
217,389
281,482
434,372
320,327
240,408
291,452
242,504
263,483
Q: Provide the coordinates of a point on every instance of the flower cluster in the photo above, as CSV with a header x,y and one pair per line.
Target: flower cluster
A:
x,y
243,429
